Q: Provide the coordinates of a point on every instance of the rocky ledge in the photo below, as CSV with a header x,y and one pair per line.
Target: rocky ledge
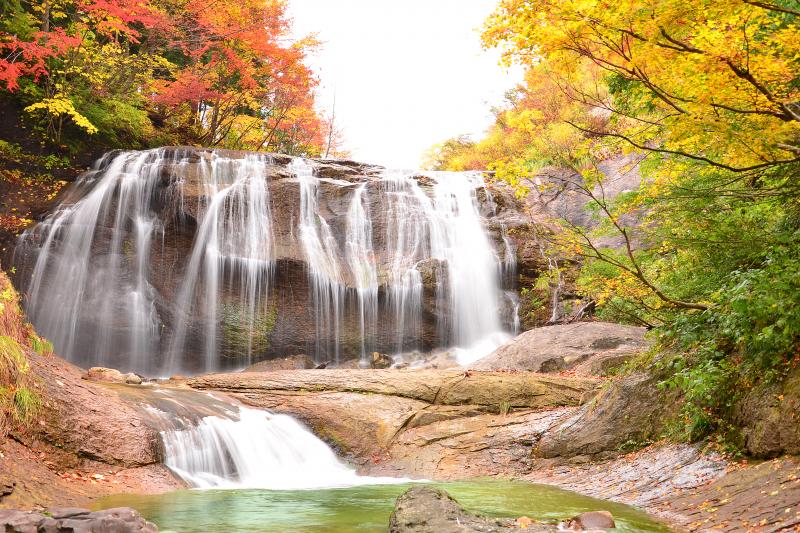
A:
x,y
444,424
70,520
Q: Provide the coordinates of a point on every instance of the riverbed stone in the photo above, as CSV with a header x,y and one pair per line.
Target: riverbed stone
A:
x,y
428,510
591,520
108,375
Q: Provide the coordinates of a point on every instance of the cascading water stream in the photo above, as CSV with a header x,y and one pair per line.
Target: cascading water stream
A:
x,y
182,260
361,258
211,443
257,450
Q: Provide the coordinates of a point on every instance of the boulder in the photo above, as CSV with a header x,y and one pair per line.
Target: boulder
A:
x,y
591,520
380,360
427,510
567,346
133,379
108,375
71,520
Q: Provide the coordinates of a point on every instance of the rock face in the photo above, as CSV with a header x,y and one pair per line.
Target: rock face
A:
x,y
241,257
72,520
770,418
92,421
489,390
594,347
628,412
428,510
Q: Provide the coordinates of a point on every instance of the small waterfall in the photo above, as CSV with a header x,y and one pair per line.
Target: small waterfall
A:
x,y
256,449
210,442
182,260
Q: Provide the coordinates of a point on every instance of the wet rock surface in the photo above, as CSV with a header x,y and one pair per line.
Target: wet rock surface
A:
x,y
693,490
594,348
288,320
429,510
75,520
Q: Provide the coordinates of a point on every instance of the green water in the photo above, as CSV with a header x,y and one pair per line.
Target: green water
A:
x,y
364,509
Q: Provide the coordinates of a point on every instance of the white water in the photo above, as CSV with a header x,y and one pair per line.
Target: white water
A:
x,y
369,257
256,449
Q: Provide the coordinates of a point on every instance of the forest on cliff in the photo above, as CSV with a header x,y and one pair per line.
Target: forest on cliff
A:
x,y
705,97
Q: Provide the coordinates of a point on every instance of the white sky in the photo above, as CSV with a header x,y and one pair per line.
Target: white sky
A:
x,y
407,74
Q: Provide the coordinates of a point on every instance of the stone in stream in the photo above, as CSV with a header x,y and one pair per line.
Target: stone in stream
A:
x,y
109,375
72,520
431,510
592,520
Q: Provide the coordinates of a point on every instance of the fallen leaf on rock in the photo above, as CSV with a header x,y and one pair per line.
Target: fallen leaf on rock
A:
x,y
523,522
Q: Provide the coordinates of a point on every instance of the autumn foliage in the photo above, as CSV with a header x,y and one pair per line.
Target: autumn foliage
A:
x,y
702,101
146,72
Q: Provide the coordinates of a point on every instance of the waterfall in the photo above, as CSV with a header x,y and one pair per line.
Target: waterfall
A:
x,y
210,442
184,260
361,258
255,449
323,264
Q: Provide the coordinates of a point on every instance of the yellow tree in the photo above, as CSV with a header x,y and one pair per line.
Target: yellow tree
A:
x,y
716,81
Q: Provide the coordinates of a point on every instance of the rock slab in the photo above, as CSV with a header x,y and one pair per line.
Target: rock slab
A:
x,y
73,520
591,347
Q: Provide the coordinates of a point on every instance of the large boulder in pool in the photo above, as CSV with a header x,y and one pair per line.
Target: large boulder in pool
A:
x,y
591,348
431,510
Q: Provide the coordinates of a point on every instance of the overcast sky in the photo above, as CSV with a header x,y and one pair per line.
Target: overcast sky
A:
x,y
406,74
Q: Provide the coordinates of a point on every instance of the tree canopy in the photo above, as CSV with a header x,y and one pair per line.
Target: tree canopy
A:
x,y
224,74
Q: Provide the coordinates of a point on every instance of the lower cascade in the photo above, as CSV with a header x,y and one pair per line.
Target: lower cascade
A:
x,y
183,260
250,448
